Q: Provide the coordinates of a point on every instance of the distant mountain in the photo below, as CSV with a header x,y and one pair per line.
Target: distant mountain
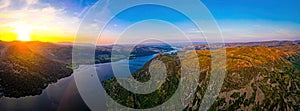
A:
x,y
264,43
257,78
205,46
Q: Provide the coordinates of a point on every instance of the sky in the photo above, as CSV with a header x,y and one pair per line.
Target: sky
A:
x,y
60,20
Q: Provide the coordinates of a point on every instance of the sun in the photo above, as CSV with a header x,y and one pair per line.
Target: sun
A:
x,y
22,30
23,35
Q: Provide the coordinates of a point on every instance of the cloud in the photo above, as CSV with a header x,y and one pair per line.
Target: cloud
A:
x,y
4,3
16,4
31,2
38,14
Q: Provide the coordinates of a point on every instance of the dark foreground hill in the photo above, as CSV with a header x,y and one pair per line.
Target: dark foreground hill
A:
x,y
257,78
27,68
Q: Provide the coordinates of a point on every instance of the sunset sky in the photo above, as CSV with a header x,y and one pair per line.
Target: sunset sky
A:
x,y
58,20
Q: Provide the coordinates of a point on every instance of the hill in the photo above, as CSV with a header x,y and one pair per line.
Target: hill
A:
x,y
257,78
27,68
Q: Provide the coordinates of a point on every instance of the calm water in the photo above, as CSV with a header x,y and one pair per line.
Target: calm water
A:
x,y
63,95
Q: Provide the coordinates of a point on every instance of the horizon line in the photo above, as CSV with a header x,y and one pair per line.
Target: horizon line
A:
x,y
204,42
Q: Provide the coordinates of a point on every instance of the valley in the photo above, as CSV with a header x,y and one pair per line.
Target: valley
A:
x,y
259,75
